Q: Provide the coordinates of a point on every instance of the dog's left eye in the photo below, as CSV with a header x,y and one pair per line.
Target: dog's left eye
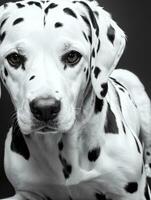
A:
x,y
15,59
71,58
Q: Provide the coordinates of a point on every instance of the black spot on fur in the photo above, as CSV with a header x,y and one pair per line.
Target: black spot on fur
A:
x,y
85,19
96,72
69,11
3,22
19,5
90,39
146,191
67,168
32,77
34,3
94,154
119,101
98,48
93,53
52,5
148,153
65,67
115,81
104,89
45,198
85,36
138,148
18,144
58,24
131,187
110,125
142,169
98,105
101,196
96,13
122,89
60,145
2,36
5,72
87,74
111,34
18,20
92,17
5,5
123,127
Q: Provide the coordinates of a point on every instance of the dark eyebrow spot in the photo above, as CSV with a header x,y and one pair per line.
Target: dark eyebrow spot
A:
x,y
58,24
2,36
52,5
3,22
34,3
19,5
17,21
69,12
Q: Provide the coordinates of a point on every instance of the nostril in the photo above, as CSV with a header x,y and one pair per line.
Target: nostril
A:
x,y
45,109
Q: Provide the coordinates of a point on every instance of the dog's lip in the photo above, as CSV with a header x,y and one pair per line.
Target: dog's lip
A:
x,y
46,129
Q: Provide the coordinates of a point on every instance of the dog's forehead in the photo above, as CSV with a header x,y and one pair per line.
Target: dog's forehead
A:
x,y
50,19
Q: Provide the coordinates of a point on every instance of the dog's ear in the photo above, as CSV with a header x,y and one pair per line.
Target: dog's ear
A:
x,y
107,49
107,43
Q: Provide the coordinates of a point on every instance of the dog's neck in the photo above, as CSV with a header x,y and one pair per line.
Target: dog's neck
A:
x,y
74,145
64,159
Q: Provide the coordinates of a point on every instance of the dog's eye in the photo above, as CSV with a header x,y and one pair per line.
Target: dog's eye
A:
x,y
71,58
15,59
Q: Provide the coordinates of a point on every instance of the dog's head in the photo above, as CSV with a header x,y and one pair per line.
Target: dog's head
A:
x,y
50,53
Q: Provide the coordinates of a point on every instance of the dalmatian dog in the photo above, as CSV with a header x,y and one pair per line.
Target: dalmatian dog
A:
x,y
78,124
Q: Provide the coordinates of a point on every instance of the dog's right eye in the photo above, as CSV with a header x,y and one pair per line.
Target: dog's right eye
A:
x,y
15,59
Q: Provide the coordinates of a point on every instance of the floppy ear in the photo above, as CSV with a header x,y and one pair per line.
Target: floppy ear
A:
x,y
108,48
107,42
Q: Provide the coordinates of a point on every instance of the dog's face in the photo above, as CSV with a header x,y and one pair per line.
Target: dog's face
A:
x,y
49,52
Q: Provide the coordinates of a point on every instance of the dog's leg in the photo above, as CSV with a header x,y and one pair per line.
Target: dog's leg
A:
x,y
138,93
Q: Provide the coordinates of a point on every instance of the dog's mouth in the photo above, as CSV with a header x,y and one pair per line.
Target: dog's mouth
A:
x,y
47,129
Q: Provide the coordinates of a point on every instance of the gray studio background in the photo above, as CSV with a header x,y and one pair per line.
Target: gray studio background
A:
x,y
133,16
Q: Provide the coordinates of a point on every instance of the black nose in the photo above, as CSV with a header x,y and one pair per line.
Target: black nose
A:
x,y
45,109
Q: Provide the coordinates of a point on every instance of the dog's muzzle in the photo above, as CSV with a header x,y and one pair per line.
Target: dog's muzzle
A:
x,y
45,109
